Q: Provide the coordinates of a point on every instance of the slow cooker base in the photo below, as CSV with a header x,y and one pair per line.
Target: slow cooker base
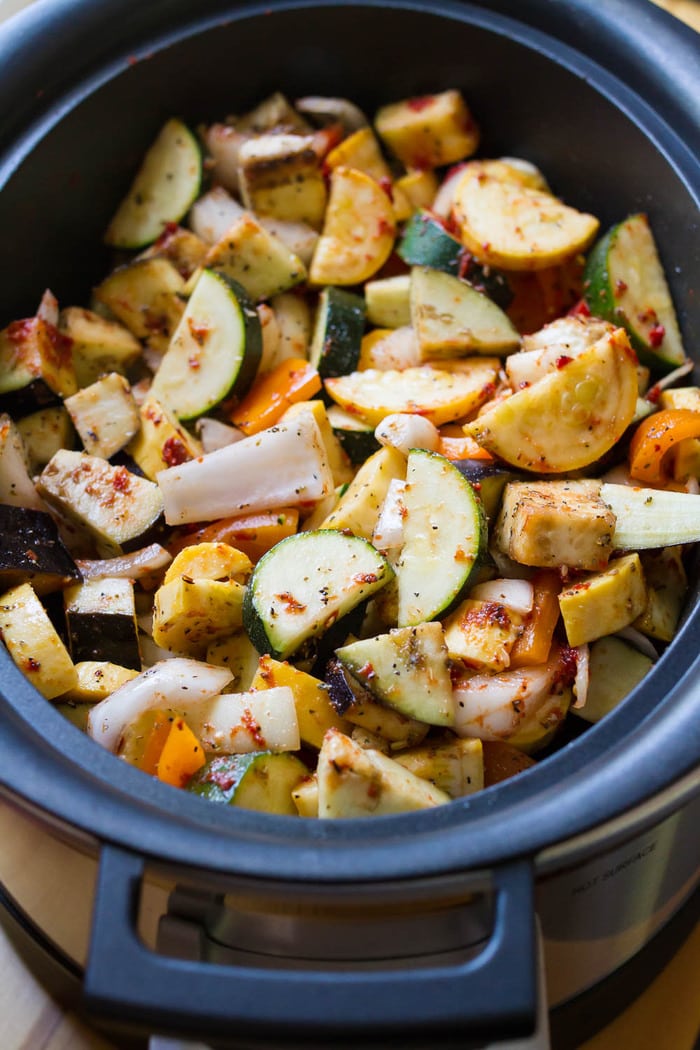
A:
x,y
571,1024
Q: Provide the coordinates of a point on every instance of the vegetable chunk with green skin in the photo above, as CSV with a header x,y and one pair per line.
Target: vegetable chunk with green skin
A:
x,y
304,584
215,350
162,191
261,781
615,668
354,782
624,282
445,536
407,669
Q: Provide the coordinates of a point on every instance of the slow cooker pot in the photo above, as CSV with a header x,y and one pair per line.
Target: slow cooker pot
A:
x,y
416,930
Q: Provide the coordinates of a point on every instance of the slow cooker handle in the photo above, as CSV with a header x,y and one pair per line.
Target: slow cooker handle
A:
x,y
491,996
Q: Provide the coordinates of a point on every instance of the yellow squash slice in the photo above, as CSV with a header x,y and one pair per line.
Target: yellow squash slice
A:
x,y
438,395
358,233
515,227
569,418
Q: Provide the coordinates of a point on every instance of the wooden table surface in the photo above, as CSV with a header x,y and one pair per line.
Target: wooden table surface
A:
x,y
666,1017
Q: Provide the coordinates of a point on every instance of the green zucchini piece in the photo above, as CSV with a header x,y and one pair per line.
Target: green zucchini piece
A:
x,y
32,551
389,301
452,319
489,480
97,344
445,538
648,518
215,350
426,242
105,415
407,669
624,283
147,297
337,334
36,367
455,766
101,622
262,781
354,782
304,584
43,433
356,436
114,506
615,668
163,190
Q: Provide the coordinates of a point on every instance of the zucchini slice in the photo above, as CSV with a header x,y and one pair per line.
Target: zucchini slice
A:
x,y
615,668
146,296
262,781
215,350
163,190
517,228
445,537
438,395
570,417
36,367
97,345
304,584
388,301
354,782
651,518
624,282
452,319
115,506
426,242
356,436
455,766
358,232
408,669
337,335
105,414
43,433
255,258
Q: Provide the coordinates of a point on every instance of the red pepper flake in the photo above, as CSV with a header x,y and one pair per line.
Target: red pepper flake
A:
x,y
30,664
199,333
656,335
121,480
653,394
420,102
580,309
387,185
367,671
293,604
20,331
194,363
174,452
365,577
384,226
568,665
253,728
563,360
620,287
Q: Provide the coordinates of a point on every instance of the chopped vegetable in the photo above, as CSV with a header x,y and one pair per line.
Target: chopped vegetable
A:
x,y
349,488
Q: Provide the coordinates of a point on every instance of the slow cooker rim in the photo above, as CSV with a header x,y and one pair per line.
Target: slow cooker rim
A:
x,y
60,760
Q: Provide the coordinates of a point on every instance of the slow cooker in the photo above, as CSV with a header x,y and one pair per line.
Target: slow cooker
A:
x,y
422,930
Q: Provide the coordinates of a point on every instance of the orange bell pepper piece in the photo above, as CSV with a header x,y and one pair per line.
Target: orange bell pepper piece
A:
x,y
271,395
655,436
150,748
182,755
533,645
253,534
455,448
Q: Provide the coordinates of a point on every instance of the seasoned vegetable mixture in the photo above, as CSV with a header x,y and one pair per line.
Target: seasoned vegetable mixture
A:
x,y
366,476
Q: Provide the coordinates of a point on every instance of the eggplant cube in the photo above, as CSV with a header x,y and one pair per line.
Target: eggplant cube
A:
x,y
32,551
101,620
105,415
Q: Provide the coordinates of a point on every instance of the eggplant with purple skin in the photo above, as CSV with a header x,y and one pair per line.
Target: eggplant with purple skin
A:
x,y
32,551
101,622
